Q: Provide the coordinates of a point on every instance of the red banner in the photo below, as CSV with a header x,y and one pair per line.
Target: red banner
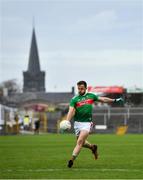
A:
x,y
106,89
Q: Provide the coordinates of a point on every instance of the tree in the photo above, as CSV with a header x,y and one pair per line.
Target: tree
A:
x,y
11,85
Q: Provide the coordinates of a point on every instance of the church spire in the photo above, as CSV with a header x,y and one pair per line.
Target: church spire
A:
x,y
34,78
34,65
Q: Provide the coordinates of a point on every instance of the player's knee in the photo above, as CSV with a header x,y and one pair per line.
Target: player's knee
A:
x,y
80,142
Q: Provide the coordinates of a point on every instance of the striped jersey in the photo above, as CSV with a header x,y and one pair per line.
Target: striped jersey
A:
x,y
83,106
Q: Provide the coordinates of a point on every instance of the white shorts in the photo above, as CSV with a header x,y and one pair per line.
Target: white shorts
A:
x,y
79,126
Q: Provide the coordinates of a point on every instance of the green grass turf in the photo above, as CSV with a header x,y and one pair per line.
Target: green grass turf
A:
x,y
46,156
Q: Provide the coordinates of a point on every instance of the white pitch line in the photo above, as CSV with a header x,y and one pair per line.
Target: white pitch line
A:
x,y
72,169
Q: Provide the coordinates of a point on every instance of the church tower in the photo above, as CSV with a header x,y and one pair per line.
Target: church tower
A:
x,y
34,78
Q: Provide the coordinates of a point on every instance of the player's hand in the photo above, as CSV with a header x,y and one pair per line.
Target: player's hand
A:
x,y
119,100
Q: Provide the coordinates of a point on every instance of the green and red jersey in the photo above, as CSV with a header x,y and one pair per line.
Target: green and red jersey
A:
x,y
83,106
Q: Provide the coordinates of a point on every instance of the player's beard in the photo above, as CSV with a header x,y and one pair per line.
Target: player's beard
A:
x,y
82,93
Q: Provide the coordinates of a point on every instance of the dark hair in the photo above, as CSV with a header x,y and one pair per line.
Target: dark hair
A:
x,y
82,83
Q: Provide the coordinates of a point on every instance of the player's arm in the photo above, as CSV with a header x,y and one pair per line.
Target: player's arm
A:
x,y
109,100
71,113
105,99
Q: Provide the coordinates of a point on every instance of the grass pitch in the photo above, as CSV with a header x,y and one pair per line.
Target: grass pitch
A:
x,y
46,156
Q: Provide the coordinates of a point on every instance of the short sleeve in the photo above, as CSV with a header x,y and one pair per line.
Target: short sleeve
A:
x,y
95,97
72,103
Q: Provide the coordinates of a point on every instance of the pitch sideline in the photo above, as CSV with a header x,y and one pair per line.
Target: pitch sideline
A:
x,y
73,169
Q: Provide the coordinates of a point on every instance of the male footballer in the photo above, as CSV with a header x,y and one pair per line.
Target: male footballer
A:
x,y
81,109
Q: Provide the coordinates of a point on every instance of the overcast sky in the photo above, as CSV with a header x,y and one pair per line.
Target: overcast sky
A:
x,y
100,41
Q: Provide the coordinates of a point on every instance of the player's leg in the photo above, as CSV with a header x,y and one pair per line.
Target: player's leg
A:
x,y
92,147
87,145
80,141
